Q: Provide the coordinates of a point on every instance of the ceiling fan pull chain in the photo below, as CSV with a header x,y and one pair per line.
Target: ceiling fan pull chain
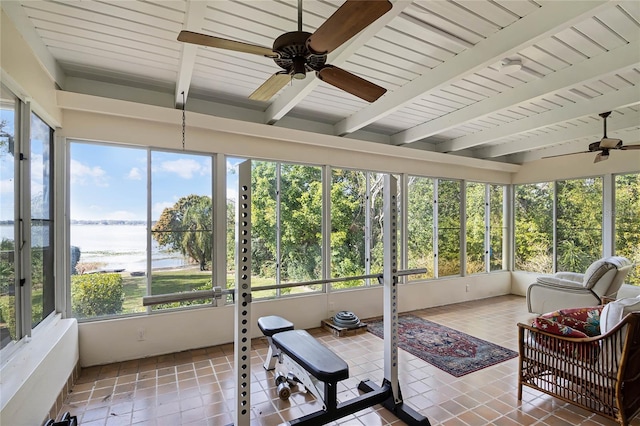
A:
x,y
183,119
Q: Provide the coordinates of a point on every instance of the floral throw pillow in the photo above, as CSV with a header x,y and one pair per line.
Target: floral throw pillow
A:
x,y
550,325
574,323
586,320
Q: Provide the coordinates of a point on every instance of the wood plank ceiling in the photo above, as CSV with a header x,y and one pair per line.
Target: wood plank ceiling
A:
x,y
441,62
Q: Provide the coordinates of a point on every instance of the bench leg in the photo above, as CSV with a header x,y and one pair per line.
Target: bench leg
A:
x,y
402,411
272,356
335,411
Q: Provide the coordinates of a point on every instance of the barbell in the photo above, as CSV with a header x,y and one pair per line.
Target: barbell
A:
x,y
217,292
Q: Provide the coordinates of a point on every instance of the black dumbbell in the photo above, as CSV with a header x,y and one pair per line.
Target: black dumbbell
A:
x,y
293,380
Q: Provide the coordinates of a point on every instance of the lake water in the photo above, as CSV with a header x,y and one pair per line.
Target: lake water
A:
x,y
116,247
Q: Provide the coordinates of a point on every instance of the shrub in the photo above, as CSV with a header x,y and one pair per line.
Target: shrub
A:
x,y
96,294
8,314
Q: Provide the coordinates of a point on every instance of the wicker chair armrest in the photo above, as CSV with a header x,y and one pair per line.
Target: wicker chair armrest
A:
x,y
564,338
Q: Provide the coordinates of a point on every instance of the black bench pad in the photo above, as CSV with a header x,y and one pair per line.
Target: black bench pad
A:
x,y
273,324
314,357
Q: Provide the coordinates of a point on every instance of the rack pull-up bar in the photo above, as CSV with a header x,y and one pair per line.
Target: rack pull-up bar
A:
x,y
218,292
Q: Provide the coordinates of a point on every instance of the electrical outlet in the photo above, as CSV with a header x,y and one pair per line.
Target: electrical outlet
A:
x,y
141,334
467,288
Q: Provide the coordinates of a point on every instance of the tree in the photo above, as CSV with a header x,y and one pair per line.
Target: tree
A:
x,y
534,227
627,225
186,228
420,224
348,206
449,195
298,220
578,223
476,228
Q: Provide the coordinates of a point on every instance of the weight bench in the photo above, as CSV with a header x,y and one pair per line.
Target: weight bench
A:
x,y
319,370
269,326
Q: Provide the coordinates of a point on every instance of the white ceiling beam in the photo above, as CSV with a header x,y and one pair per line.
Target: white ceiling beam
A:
x,y
606,102
133,110
193,21
588,70
23,24
615,123
297,92
454,39
549,19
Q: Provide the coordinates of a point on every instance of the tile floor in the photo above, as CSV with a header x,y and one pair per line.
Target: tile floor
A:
x,y
196,387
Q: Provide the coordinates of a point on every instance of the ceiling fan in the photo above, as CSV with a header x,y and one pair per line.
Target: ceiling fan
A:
x,y
604,145
298,52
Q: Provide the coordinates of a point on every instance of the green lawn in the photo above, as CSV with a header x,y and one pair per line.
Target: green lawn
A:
x,y
175,281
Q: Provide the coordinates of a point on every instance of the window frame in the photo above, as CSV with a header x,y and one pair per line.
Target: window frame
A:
x,y
25,326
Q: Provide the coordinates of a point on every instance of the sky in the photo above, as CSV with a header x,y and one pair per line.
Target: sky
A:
x,y
109,182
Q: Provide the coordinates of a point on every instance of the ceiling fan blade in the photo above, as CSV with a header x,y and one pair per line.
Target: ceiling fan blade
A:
x,y
270,87
351,83
601,157
350,18
609,143
630,147
223,43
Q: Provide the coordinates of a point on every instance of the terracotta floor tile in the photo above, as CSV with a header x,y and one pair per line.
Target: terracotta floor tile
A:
x,y
197,387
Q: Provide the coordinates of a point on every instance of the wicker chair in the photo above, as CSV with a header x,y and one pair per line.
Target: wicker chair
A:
x,y
600,374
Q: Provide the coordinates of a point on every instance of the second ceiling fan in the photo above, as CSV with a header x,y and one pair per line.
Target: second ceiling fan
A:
x,y
298,52
604,145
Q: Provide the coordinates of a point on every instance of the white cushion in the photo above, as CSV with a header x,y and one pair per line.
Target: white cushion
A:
x,y
611,315
596,271
613,312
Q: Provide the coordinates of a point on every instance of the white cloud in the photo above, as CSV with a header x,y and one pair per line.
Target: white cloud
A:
x,y
134,174
184,168
6,186
232,194
232,165
82,174
158,208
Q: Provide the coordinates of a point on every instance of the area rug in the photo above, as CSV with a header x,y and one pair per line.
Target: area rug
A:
x,y
450,350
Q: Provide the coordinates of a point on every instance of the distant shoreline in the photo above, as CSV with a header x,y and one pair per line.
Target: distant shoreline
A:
x,y
94,222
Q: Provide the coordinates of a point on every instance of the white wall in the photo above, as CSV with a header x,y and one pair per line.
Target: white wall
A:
x,y
103,342
23,73
92,118
33,377
628,291
520,281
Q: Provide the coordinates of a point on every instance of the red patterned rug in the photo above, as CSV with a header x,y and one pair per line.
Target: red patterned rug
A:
x,y
450,350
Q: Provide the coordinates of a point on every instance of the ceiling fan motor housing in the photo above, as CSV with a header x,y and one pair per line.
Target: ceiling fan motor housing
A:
x,y
291,47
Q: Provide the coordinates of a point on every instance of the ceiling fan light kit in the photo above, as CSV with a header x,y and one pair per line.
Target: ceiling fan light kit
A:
x,y
299,52
510,66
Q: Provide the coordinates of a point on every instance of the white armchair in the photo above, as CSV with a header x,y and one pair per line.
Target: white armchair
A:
x,y
565,290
